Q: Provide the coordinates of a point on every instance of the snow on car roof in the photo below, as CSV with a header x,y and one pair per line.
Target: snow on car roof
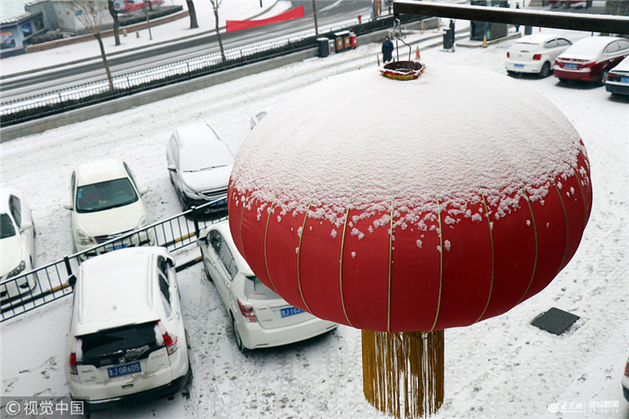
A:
x,y
590,45
99,171
201,148
115,288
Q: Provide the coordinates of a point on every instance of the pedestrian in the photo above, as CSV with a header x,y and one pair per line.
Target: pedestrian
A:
x,y
387,50
517,27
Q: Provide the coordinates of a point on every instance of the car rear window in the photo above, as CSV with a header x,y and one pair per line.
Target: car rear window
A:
x,y
119,345
256,290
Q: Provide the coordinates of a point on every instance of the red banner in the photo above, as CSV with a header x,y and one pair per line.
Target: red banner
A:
x,y
236,25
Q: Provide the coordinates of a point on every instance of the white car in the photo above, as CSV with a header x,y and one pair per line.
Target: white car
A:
x,y
127,337
17,244
535,54
260,318
200,164
106,204
617,81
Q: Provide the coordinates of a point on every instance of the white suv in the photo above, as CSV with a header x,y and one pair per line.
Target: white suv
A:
x,y
127,337
106,204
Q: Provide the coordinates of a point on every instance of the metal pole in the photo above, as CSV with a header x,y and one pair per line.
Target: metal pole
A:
x,y
560,20
314,11
147,19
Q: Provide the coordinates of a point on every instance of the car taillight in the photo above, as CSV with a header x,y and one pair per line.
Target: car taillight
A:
x,y
170,341
508,55
587,65
72,360
627,369
613,77
247,311
73,369
537,57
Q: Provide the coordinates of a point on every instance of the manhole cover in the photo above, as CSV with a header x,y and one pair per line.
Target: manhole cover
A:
x,y
555,321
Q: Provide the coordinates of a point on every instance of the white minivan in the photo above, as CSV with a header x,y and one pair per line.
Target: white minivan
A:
x,y
127,337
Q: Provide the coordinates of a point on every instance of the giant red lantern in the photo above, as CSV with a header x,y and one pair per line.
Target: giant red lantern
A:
x,y
402,206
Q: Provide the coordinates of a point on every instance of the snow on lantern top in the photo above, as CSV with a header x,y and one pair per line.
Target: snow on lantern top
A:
x,y
430,179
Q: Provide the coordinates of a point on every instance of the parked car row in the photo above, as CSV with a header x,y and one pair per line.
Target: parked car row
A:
x,y
598,59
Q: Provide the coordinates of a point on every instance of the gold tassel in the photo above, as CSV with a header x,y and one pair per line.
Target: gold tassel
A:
x,y
403,373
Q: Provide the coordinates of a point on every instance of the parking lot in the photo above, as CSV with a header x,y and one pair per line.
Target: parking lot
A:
x,y
500,368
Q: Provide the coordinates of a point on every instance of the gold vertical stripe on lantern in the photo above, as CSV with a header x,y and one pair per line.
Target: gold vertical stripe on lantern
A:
x,y
403,373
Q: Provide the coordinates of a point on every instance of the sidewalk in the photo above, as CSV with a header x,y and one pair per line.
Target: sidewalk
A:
x,y
167,32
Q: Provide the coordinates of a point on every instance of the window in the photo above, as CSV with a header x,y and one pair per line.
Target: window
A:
x,y
119,345
551,44
16,209
611,48
623,44
164,287
563,42
162,265
6,226
105,195
224,254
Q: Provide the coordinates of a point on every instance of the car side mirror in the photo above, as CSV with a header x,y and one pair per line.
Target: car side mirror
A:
x,y
171,262
172,168
26,225
201,241
142,191
68,206
72,281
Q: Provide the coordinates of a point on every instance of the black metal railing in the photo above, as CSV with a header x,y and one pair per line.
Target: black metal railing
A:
x,y
48,283
59,101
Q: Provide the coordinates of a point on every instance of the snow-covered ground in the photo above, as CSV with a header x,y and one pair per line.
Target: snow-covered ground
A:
x,y
500,368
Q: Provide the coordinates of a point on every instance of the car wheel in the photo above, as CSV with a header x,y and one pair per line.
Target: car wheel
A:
x,y
603,78
237,337
545,72
207,273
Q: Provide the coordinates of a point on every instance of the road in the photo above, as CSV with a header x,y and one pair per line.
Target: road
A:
x,y
328,13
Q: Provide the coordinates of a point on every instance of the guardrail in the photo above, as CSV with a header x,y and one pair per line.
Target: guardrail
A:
x,y
48,283
58,101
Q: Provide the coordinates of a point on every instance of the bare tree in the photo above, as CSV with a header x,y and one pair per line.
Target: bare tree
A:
x,y
90,13
215,5
193,14
114,16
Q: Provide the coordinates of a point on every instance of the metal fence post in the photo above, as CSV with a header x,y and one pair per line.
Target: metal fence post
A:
x,y
195,218
66,261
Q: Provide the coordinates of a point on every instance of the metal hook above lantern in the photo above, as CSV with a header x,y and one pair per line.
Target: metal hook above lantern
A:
x,y
408,208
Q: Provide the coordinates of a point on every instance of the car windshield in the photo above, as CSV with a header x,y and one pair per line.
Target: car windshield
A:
x,y
205,157
119,345
105,195
6,226
256,290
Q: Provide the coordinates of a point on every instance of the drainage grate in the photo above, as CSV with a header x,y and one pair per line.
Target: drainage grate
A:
x,y
555,321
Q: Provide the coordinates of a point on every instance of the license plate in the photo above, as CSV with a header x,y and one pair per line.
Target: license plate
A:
x,y
518,65
624,79
117,247
124,370
290,311
571,66
221,202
